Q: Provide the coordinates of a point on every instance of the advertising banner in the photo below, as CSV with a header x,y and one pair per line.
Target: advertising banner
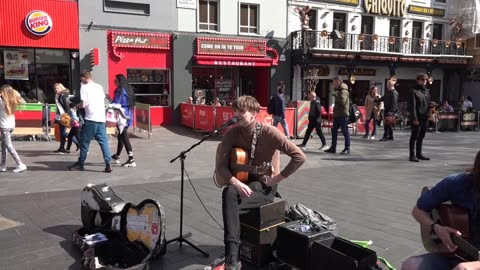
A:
x,y
187,114
142,117
204,118
16,65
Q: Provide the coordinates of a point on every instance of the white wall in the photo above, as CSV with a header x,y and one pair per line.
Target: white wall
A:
x,y
272,18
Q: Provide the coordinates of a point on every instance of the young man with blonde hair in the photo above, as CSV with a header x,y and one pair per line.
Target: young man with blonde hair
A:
x,y
265,142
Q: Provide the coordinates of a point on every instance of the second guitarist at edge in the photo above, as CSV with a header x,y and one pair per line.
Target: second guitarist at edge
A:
x,y
462,190
237,196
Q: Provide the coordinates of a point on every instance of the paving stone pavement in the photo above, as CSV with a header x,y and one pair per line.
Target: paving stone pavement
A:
x,y
369,193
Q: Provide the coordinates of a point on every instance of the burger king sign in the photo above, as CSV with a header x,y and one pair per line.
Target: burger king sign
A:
x,y
38,22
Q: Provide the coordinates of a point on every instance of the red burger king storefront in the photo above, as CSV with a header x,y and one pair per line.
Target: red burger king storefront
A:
x,y
39,45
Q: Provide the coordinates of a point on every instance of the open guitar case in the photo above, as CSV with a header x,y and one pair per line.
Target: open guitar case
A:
x,y
135,233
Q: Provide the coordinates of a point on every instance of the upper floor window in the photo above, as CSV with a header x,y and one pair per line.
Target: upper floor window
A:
x,y
248,18
394,28
339,21
441,1
417,30
208,15
437,31
367,25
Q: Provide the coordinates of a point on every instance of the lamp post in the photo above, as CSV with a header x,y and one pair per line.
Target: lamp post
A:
x,y
351,71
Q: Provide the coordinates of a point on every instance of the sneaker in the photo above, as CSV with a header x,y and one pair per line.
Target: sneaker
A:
x,y
20,168
372,137
108,168
130,163
330,150
61,151
302,146
3,168
324,147
76,167
116,159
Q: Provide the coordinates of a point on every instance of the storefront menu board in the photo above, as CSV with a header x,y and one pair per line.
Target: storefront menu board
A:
x,y
15,65
224,89
147,76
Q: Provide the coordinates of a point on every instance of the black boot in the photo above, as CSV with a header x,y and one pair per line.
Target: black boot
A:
x,y
233,263
412,157
422,157
419,151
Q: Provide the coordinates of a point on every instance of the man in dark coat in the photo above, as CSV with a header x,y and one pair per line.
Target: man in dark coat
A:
x,y
390,101
419,109
279,108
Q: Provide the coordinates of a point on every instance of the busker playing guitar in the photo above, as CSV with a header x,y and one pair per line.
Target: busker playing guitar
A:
x,y
463,190
239,197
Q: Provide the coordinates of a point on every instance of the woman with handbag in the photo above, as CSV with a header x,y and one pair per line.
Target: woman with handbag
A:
x,y
63,109
390,100
372,108
125,97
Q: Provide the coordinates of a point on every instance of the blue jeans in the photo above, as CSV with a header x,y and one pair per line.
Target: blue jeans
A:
x,y
63,136
342,123
89,131
283,122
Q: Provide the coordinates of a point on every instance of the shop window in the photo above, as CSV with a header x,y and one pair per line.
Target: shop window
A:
x,y
151,86
394,28
208,19
312,23
339,21
249,18
437,31
477,41
211,82
126,7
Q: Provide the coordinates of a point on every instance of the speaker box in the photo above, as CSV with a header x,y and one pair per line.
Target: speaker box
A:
x,y
341,254
265,216
336,35
293,243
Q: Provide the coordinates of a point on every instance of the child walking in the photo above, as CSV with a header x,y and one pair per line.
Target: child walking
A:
x,y
8,103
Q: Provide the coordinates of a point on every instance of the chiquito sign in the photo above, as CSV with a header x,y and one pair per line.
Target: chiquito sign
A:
x,y
396,8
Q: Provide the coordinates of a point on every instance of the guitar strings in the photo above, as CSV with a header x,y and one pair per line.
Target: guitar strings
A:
x,y
198,197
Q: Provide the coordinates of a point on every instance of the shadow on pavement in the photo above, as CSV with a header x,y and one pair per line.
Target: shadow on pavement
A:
x,y
65,232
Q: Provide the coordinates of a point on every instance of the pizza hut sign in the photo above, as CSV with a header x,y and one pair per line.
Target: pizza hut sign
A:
x,y
231,47
139,40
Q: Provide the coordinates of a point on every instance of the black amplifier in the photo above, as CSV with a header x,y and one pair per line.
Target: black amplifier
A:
x,y
265,216
341,254
293,244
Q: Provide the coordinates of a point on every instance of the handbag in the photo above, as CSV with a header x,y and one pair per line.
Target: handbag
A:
x,y
389,120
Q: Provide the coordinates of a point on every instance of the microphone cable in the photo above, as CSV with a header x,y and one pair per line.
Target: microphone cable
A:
x,y
198,196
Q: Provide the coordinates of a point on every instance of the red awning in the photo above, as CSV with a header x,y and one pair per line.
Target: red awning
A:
x,y
212,60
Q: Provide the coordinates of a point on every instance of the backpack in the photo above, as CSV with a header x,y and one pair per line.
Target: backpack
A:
x,y
319,220
271,106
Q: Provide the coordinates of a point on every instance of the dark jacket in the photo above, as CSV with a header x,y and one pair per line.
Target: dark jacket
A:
x,y
315,113
390,102
279,105
63,101
418,102
342,102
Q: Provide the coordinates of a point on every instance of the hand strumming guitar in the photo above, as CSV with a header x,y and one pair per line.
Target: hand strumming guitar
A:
x,y
468,266
243,190
443,232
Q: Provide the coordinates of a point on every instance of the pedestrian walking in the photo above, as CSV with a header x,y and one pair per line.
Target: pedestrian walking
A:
x,y
125,97
340,116
93,101
279,108
372,108
8,102
390,100
314,121
419,109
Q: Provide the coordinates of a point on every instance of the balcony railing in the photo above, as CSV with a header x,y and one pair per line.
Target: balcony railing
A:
x,y
322,40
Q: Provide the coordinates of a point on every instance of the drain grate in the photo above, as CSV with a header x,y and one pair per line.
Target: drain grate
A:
x,y
6,223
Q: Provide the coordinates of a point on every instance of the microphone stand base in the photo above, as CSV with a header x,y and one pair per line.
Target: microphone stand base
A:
x,y
183,239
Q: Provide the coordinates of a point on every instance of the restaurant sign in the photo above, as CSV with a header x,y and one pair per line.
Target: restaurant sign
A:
x,y
231,47
139,40
359,72
340,2
426,11
396,8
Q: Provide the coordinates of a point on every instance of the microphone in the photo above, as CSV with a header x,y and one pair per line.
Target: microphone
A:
x,y
227,124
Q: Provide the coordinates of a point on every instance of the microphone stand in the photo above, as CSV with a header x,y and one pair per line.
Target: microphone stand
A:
x,y
183,155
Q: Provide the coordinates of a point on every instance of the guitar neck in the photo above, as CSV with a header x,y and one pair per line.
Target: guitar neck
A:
x,y
470,251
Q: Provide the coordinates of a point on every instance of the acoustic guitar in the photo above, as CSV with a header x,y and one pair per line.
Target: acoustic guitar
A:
x,y
454,217
240,168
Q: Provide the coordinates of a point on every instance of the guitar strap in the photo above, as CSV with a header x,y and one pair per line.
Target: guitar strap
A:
x,y
256,135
